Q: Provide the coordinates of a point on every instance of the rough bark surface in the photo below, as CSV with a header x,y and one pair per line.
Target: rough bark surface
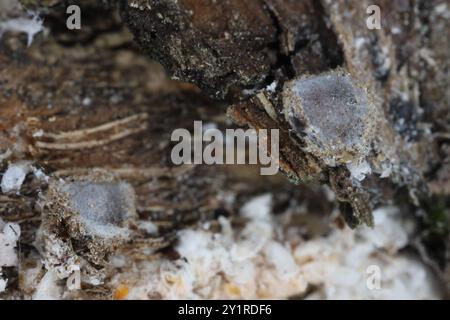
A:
x,y
89,107
308,38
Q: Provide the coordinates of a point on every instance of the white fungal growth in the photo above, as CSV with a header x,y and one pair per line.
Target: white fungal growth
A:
x,y
16,173
271,87
48,288
360,42
30,25
282,258
14,176
386,170
260,261
3,283
258,208
442,10
9,235
359,170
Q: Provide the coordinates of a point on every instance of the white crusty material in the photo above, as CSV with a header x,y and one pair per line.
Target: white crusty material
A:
x,y
262,261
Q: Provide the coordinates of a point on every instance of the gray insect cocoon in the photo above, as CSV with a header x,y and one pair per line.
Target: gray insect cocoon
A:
x,y
332,114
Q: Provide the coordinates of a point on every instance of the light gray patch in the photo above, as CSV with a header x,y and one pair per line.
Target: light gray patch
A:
x,y
103,207
334,113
